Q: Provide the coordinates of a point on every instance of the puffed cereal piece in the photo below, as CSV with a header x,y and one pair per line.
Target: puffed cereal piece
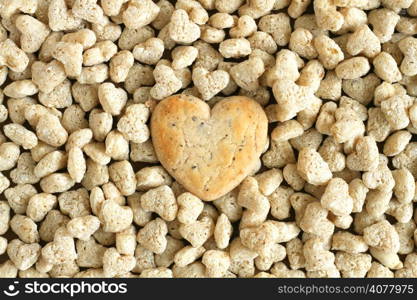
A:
x,y
198,232
97,152
132,123
25,228
406,231
117,147
95,175
90,253
280,270
397,5
247,73
23,255
39,206
51,163
111,192
353,68
53,220
330,87
382,236
380,178
4,217
164,16
327,16
8,269
101,123
50,130
79,138
167,83
70,55
162,201
152,177
190,207
408,47
386,67
404,185
314,220
126,241
244,27
353,265
279,155
76,164
286,67
379,271
217,262
210,83
291,98
83,227
121,173
74,203
48,76
153,236
92,75
297,7
12,56
20,135
278,26
188,255
140,13
120,65
395,110
318,258
336,197
4,183
183,56
182,29
33,33
115,264
223,231
166,258
312,167
357,191
256,8
56,183
105,238
235,48
301,42
269,181
348,242
150,51
61,17
227,204
365,156
256,204
114,217
363,41
260,239
3,245
20,89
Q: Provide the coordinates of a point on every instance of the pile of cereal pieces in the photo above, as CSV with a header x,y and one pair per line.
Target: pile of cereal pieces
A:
x,y
83,193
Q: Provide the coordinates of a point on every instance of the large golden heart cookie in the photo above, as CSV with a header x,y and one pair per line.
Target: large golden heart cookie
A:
x,y
209,153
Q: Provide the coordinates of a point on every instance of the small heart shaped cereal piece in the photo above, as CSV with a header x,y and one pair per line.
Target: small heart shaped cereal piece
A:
x,y
167,83
210,83
62,18
209,153
181,29
150,51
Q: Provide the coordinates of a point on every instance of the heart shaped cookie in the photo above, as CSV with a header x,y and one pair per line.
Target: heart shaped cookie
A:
x,y
209,152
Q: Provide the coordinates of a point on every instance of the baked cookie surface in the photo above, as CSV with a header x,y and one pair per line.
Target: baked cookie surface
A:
x,y
209,151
